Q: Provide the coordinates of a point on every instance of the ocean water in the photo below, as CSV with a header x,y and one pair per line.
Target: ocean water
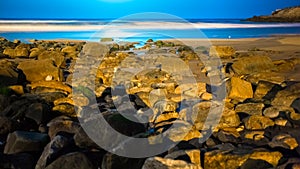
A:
x,y
141,30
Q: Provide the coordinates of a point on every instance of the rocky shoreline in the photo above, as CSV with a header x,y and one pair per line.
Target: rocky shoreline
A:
x,y
51,91
291,14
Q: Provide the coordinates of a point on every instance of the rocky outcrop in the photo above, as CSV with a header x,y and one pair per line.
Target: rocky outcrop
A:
x,y
291,14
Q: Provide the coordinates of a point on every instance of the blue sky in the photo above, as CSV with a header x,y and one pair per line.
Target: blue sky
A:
x,y
96,9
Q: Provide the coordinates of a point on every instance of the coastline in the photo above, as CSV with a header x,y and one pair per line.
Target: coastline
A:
x,y
139,25
52,69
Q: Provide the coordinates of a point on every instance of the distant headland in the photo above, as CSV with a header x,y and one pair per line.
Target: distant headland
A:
x,y
290,14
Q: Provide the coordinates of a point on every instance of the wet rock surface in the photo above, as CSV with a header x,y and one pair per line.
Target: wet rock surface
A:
x,y
61,102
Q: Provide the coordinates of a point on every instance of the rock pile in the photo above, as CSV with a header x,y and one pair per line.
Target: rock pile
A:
x,y
238,112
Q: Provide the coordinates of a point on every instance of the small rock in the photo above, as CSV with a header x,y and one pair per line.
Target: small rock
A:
x,y
166,117
240,89
18,89
82,140
296,105
262,89
257,164
163,107
159,163
66,109
192,155
250,108
206,96
38,112
257,122
287,96
254,135
106,40
62,124
282,122
222,51
271,112
75,100
8,73
285,141
182,132
228,136
49,78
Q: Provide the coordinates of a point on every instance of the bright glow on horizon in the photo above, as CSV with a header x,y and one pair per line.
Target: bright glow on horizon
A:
x,y
115,1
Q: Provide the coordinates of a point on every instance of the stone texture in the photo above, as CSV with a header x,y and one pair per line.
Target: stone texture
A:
x,y
257,122
38,112
253,64
262,89
59,86
62,124
222,51
54,149
74,160
271,112
57,57
287,96
182,132
6,125
235,159
285,141
250,108
112,161
8,73
192,155
240,89
21,141
161,163
38,70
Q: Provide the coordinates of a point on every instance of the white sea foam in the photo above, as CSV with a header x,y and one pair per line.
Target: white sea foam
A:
x,y
58,25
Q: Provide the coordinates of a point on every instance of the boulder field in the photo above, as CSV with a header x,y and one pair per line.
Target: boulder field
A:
x,y
210,107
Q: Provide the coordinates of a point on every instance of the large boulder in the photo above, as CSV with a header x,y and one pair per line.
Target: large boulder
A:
x,y
238,157
20,51
8,73
57,57
58,145
74,160
112,161
21,141
287,96
252,64
40,70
